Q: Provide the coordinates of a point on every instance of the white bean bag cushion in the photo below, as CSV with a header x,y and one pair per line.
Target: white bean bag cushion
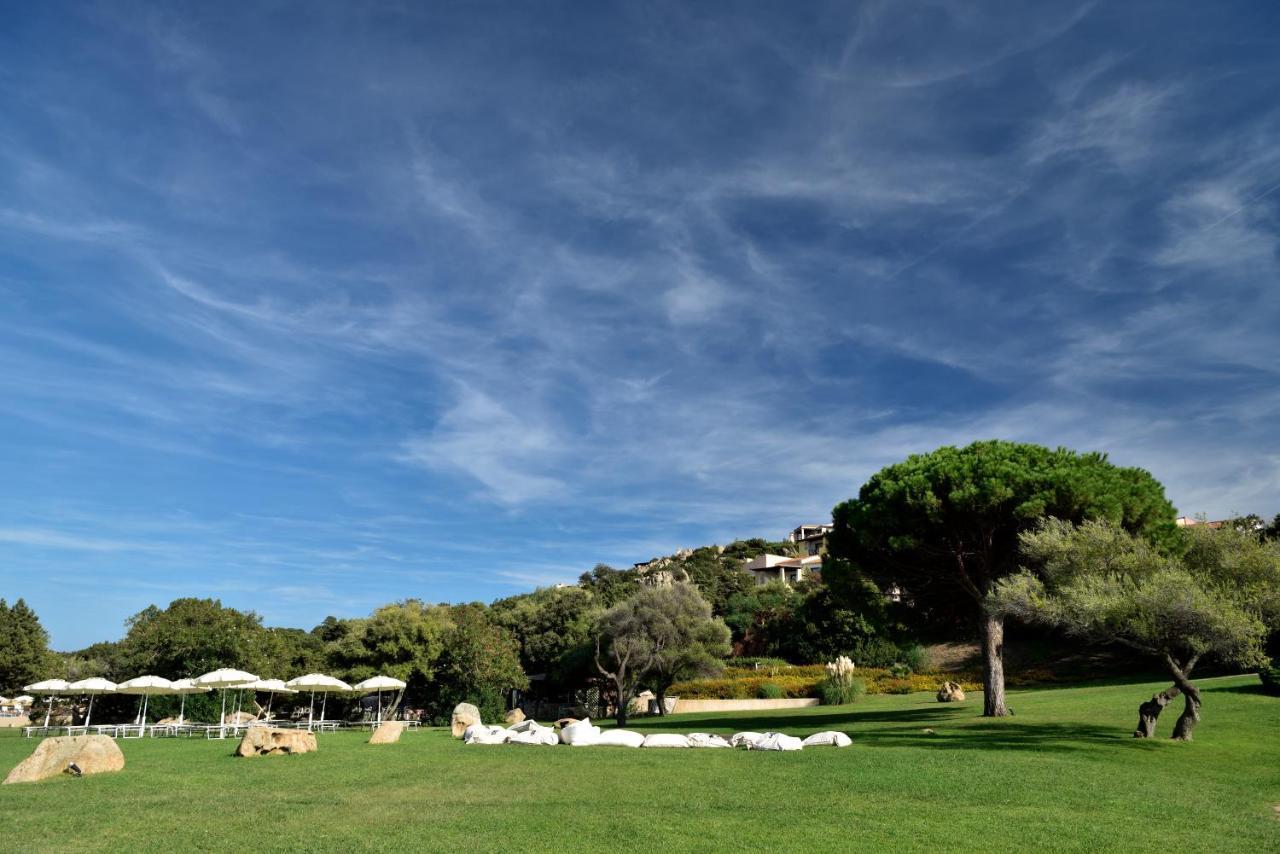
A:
x,y
536,734
830,738
581,732
481,734
665,740
745,739
524,725
705,739
778,741
618,738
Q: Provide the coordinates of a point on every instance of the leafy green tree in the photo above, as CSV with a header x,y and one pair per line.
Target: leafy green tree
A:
x,y
24,648
688,641
553,629
763,618
193,636
717,574
625,650
610,586
1097,582
480,663
946,524
403,640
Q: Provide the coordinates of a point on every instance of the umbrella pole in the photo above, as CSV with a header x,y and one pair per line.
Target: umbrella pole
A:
x,y
223,720
182,709
89,714
324,704
311,711
379,708
137,719
146,701
271,698
48,710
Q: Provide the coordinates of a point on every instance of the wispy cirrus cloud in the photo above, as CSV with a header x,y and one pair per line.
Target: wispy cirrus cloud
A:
x,y
446,308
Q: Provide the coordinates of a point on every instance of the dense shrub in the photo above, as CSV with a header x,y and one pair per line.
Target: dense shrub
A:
x,y
915,658
840,692
876,652
769,691
899,670
897,686
1270,676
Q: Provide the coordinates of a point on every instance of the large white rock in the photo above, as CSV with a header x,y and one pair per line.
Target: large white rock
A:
x,y
388,732
269,741
464,715
92,754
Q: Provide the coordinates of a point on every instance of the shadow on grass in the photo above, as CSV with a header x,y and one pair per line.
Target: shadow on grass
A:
x,y
951,729
1035,737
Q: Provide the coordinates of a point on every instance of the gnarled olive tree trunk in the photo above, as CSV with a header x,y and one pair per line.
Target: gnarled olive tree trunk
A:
x,y
993,666
1149,712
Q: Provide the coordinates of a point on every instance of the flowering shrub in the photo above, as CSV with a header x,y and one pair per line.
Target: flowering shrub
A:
x,y
805,681
769,691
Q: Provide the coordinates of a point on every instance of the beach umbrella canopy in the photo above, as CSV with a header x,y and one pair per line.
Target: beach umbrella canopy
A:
x,y
379,684
24,699
91,688
50,688
185,687
227,677
146,687
318,683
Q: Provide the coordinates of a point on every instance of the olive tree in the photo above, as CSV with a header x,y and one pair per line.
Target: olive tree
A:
x,y
688,641
1097,582
946,524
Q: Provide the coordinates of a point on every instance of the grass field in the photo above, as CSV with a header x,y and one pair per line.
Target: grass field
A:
x,y
1062,775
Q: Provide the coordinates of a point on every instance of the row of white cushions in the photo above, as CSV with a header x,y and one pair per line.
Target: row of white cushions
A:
x,y
584,734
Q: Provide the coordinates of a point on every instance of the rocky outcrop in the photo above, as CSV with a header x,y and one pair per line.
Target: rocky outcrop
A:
x,y
90,754
514,716
464,715
950,692
269,741
388,732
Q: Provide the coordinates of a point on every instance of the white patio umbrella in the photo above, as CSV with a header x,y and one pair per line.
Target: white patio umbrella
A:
x,y
91,688
24,699
50,687
271,686
185,687
145,687
318,683
227,677
379,684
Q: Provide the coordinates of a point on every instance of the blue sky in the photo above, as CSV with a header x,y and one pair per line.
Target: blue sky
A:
x,y
314,307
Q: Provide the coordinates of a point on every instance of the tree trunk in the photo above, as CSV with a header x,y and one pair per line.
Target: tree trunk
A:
x,y
1190,716
620,713
993,666
1149,712
662,701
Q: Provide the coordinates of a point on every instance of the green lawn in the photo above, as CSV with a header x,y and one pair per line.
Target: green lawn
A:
x,y
1063,774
